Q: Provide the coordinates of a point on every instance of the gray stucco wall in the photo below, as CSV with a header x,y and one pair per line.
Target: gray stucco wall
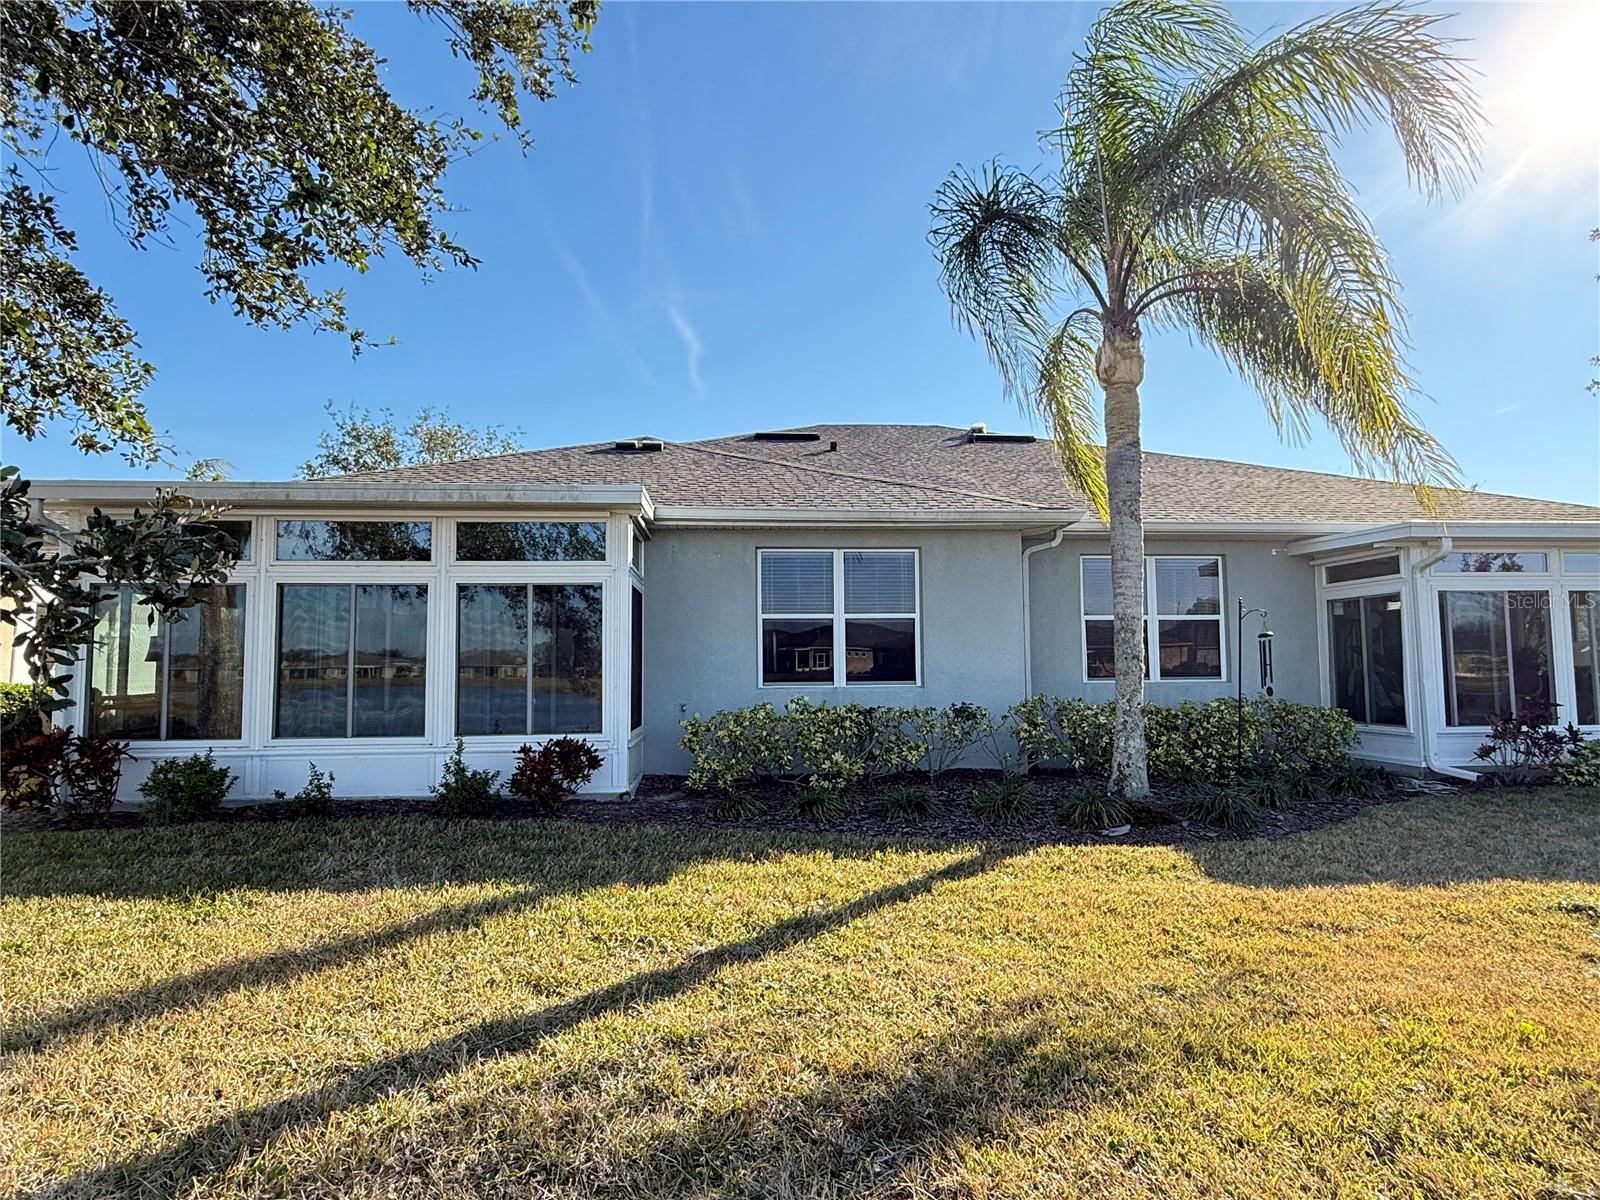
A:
x,y
1279,583
701,641
700,632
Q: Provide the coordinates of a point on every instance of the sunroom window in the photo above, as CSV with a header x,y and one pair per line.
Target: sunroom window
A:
x,y
1584,609
528,659
352,660
1485,562
354,541
838,617
1183,598
1367,658
531,541
1496,653
177,679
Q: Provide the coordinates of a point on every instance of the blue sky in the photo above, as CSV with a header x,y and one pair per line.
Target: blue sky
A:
x,y
723,227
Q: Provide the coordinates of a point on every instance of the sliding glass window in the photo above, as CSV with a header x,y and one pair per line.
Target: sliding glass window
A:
x,y
177,679
528,659
352,660
1367,659
1584,609
1496,653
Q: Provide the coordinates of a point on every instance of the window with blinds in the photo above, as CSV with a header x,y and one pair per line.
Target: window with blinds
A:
x,y
833,618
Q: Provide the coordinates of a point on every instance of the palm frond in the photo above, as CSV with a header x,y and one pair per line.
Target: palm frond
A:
x,y
1065,401
994,237
1378,64
1310,351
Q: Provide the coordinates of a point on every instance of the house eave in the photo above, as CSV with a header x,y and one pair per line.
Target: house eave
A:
x,y
687,516
319,494
1407,532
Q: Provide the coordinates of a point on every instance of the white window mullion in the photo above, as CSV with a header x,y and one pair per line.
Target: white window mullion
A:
x,y
838,618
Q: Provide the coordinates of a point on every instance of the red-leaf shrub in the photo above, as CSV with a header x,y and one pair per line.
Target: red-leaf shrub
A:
x,y
548,774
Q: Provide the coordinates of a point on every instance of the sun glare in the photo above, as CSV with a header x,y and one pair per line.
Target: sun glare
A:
x,y
1542,97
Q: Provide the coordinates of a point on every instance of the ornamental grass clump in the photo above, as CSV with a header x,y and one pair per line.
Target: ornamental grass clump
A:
x,y
1222,806
1090,807
1004,801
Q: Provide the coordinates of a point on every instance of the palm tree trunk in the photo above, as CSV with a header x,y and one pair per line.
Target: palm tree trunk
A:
x,y
1120,366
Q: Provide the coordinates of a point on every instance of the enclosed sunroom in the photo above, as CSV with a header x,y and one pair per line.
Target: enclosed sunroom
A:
x,y
1428,632
367,631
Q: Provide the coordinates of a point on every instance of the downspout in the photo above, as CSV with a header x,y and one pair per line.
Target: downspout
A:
x,y
1430,762
1027,610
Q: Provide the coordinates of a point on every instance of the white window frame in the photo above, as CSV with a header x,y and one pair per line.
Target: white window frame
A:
x,y
1152,619
839,616
1378,587
247,586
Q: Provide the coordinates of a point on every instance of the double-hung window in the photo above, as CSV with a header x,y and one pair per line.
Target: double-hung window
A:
x,y
1183,608
833,618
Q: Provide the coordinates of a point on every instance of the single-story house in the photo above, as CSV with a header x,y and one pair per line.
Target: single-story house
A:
x,y
610,590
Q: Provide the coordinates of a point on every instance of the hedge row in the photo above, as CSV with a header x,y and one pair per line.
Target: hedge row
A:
x,y
839,747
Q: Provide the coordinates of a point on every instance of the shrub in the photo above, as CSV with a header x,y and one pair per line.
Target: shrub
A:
x,y
1188,742
1088,807
549,774
1298,738
185,789
842,746
1581,766
93,771
1005,800
1048,728
735,747
20,715
945,737
462,791
1224,807
32,767
316,798
1526,742
911,800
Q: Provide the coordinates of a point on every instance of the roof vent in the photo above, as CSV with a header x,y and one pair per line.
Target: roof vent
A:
x,y
643,445
976,428
1001,437
786,435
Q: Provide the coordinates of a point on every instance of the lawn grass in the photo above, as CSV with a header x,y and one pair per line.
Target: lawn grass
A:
x,y
1407,1004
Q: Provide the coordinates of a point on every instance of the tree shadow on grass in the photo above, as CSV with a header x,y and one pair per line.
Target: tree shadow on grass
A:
x,y
898,1125
203,859
890,1129
212,1149
1547,835
550,860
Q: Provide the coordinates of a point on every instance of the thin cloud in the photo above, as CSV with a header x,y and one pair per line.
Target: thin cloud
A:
x,y
693,348
658,275
608,325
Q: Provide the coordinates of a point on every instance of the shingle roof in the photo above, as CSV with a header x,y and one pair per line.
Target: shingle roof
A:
x,y
936,467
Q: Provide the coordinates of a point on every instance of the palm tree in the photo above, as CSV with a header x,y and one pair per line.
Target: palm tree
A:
x,y
1197,190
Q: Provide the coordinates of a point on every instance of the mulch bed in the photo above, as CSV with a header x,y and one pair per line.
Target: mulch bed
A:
x,y
662,800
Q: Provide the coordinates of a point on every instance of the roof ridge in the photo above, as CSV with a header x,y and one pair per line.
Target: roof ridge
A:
x,y
701,448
